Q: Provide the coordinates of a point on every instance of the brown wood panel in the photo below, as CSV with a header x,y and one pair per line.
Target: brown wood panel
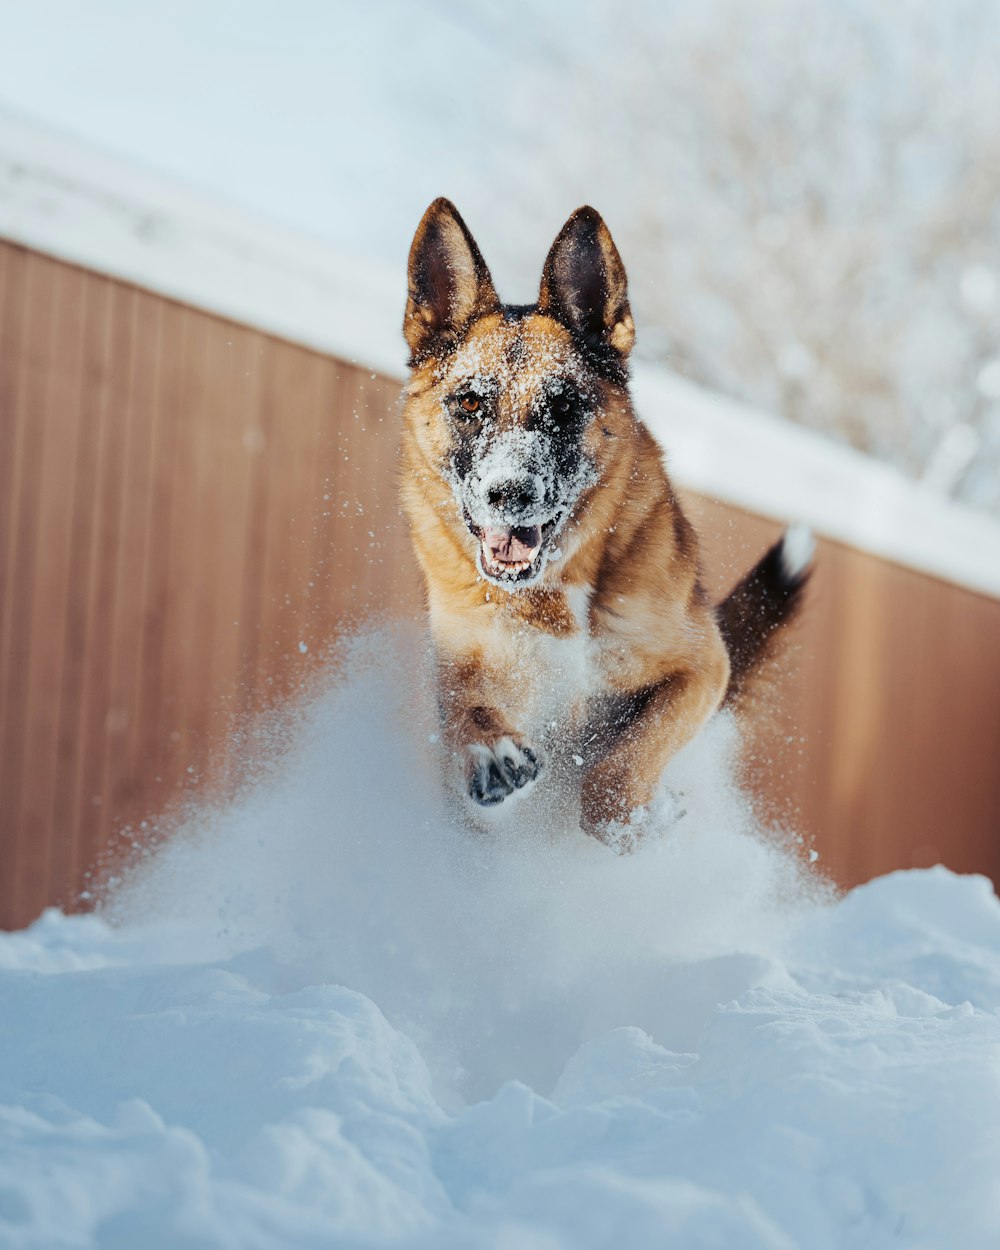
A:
x,y
48,656
19,643
152,743
184,501
185,475
882,747
115,420
77,623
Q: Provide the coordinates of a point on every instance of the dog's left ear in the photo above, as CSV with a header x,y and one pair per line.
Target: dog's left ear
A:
x,y
449,283
584,284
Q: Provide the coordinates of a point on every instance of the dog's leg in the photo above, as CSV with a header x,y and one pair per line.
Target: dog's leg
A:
x,y
493,756
649,728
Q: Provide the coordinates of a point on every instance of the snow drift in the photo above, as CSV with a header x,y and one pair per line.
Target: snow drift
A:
x,y
322,1014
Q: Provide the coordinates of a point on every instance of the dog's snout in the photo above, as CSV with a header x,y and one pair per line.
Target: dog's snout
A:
x,y
514,495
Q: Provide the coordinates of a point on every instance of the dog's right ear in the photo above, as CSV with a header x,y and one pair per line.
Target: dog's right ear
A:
x,y
584,285
449,283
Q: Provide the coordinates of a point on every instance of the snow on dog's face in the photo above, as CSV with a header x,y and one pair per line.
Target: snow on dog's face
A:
x,y
517,401
516,408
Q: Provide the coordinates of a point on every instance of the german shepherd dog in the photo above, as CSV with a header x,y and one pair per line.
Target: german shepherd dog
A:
x,y
573,637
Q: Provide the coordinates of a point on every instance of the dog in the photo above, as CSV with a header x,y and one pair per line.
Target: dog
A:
x,y
572,634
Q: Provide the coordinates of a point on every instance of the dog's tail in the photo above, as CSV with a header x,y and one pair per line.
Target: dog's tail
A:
x,y
753,615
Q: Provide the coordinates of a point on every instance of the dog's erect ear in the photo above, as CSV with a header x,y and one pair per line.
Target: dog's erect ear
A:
x,y
449,283
584,284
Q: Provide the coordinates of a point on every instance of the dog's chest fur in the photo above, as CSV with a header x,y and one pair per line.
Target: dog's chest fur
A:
x,y
546,676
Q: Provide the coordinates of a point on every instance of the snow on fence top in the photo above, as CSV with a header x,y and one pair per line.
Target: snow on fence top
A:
x,y
65,198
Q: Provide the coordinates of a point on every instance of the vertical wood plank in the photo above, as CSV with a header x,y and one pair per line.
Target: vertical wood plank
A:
x,y
116,419
137,418
235,447
67,818
151,507
18,641
50,876
13,266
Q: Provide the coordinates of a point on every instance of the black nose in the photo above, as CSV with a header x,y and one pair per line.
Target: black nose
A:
x,y
517,495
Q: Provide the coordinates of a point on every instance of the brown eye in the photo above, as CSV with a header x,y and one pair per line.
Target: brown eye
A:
x,y
470,404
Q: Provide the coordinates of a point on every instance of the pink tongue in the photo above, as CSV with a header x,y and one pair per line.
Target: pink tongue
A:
x,y
513,545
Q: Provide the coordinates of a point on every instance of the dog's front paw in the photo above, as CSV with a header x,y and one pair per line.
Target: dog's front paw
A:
x,y
496,771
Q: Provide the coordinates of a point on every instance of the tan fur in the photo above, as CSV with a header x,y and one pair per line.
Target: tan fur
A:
x,y
625,593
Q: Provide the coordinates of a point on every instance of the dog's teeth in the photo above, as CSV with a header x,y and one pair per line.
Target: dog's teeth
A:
x,y
507,569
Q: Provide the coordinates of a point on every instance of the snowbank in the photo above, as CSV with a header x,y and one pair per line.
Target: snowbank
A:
x,y
324,1016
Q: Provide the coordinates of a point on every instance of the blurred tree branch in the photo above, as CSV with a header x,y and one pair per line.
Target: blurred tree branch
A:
x,y
808,198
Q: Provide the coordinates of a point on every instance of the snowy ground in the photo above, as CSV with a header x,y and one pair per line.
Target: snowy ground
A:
x,y
323,1017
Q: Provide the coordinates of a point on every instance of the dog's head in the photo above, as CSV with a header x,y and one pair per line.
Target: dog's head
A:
x,y
517,407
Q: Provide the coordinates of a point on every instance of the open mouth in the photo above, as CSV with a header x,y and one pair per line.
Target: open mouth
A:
x,y
510,553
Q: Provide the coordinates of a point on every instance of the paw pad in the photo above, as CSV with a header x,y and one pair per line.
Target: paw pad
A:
x,y
499,770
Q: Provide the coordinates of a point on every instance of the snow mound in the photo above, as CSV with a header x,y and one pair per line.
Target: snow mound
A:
x,y
321,1014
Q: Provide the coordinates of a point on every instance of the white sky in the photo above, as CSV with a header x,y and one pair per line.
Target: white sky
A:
x,y
341,119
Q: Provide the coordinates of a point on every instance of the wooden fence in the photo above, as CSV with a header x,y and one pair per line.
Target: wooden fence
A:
x,y
191,509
